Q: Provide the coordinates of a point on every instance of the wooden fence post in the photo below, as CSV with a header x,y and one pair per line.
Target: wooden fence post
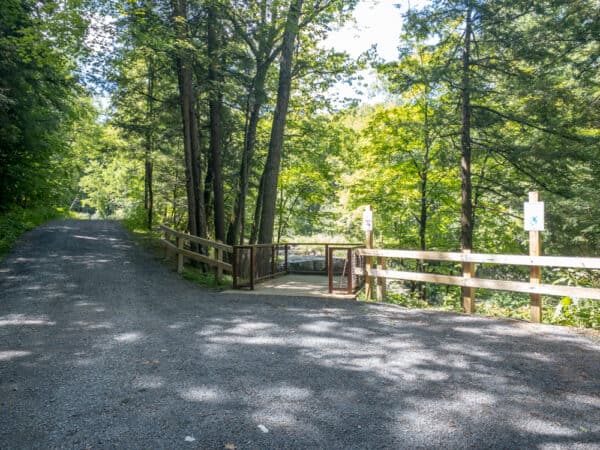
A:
x,y
252,266
350,273
219,271
179,255
535,273
234,266
329,256
468,293
381,281
369,259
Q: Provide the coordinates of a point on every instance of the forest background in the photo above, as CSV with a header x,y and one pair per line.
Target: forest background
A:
x,y
222,122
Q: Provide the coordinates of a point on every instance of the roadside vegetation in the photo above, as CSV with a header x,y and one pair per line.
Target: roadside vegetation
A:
x,y
223,121
16,221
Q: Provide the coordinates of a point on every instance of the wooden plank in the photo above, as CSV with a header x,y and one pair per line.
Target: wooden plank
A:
x,y
501,285
381,281
179,258
468,293
322,244
198,257
368,261
219,268
517,260
329,257
198,240
535,272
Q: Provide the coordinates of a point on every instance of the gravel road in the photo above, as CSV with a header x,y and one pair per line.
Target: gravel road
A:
x,y
103,346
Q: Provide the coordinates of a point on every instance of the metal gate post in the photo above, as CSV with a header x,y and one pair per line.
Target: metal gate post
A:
x,y
252,266
234,267
350,271
329,258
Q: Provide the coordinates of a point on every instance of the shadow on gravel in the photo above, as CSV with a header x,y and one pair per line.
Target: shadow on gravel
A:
x,y
102,347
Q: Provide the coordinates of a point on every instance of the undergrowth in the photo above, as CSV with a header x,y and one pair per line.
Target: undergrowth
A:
x,y
207,279
566,311
136,224
16,221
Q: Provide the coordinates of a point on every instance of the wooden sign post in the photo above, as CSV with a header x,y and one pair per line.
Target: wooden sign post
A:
x,y
368,229
468,293
534,223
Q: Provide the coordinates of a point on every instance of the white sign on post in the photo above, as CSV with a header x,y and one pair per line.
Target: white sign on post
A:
x,y
534,216
367,220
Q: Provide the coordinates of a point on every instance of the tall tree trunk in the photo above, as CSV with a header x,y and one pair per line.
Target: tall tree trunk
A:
x,y
191,137
272,166
424,179
466,219
148,165
215,103
257,212
256,98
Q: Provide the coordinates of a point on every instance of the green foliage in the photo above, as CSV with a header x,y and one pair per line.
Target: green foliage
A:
x,y
40,102
565,311
207,279
16,221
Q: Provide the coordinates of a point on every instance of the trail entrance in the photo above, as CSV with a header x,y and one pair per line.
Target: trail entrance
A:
x,y
314,269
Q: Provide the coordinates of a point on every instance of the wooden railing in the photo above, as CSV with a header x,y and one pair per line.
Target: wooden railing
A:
x,y
253,263
183,247
349,280
468,280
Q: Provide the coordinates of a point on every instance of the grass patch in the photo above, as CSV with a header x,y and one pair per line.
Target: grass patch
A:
x,y
150,239
207,279
578,313
16,221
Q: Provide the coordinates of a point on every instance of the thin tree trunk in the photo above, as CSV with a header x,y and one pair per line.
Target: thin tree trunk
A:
x,y
272,166
466,219
215,103
191,137
236,228
257,212
148,165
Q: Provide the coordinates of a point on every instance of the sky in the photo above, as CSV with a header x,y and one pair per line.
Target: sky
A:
x,y
377,22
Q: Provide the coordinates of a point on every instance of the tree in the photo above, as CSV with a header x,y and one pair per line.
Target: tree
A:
x,y
268,193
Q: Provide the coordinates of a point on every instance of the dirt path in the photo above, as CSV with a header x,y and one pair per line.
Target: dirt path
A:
x,y
103,347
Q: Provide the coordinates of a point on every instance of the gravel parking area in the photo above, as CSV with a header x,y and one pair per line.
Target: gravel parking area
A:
x,y
103,346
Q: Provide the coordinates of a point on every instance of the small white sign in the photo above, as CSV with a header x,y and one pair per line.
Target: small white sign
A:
x,y
534,216
367,220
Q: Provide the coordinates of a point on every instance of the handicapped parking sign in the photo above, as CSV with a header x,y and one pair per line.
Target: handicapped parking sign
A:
x,y
533,216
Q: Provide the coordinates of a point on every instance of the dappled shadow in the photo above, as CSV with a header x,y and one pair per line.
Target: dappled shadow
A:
x,y
128,355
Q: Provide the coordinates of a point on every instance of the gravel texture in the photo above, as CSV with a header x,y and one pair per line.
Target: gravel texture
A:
x,y
103,346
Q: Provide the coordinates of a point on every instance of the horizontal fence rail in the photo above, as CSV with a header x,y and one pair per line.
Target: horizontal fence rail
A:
x,y
253,263
346,278
467,280
179,249
484,258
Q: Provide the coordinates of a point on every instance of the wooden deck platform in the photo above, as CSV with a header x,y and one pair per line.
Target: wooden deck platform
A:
x,y
294,286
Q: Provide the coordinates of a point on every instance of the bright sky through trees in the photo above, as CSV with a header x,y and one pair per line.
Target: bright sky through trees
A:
x,y
379,23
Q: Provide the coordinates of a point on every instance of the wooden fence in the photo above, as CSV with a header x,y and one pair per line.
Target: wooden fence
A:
x,y
253,263
183,247
467,280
